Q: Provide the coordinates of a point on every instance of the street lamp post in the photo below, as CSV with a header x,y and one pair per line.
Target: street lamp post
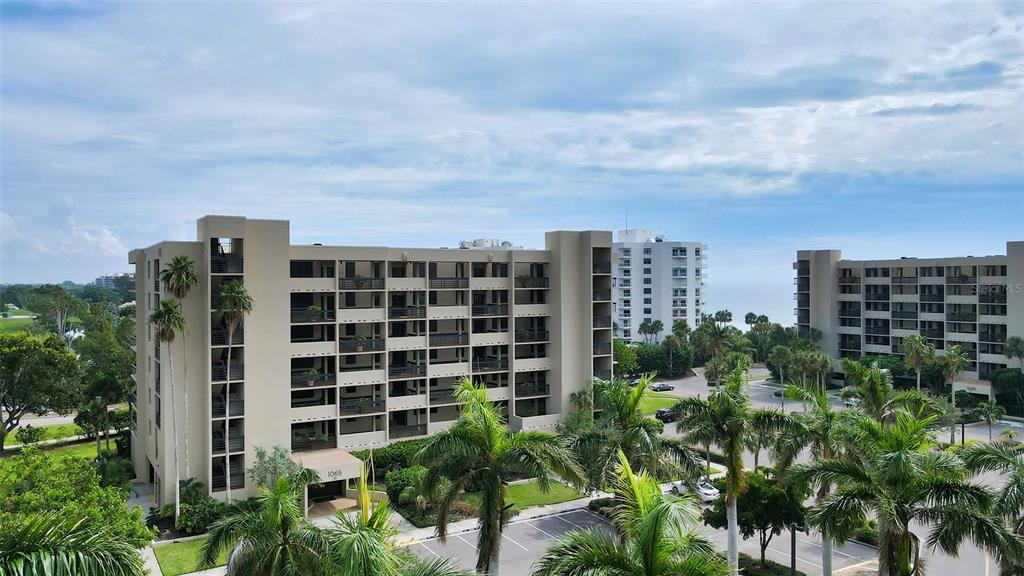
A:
x,y
963,420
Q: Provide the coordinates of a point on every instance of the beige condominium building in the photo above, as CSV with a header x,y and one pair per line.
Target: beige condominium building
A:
x,y
348,347
866,307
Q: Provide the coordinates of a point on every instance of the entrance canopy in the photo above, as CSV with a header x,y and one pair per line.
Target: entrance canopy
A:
x,y
974,387
331,464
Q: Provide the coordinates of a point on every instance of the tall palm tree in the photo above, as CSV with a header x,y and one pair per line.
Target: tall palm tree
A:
x,y
1008,463
480,450
991,412
726,419
234,302
1014,348
271,535
781,357
878,399
168,321
887,471
916,353
179,277
56,545
822,368
953,363
818,428
652,539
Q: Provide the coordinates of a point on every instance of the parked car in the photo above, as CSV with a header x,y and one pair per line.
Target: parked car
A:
x,y
705,491
662,387
665,415
634,382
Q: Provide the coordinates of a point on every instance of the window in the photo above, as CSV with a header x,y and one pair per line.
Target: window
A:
x,y
625,273
647,310
679,292
625,282
647,280
679,272
647,290
625,303
647,270
679,252
647,251
625,323
625,293
647,260
647,300
626,251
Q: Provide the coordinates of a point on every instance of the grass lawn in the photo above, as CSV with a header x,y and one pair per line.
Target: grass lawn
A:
x,y
653,401
15,324
50,432
527,494
180,557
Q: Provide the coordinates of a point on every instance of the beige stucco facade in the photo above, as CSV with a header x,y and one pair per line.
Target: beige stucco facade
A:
x,y
356,347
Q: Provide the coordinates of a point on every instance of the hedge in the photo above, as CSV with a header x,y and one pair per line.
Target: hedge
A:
x,y
750,566
393,456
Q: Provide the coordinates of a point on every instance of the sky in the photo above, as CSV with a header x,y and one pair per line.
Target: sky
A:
x,y
881,129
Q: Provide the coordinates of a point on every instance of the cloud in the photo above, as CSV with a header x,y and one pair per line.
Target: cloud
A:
x,y
935,109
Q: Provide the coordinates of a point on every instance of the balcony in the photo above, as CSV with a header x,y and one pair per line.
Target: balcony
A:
x,y
999,298
881,330
849,279
406,431
602,295
219,372
489,364
905,314
361,345
219,337
226,264
994,337
237,407
307,380
450,339
310,444
877,297
531,282
602,267
602,348
236,443
360,283
490,310
307,315
904,279
406,371
531,389
961,317
357,406
933,333
448,283
963,279
397,312
602,321
932,297
532,336
848,345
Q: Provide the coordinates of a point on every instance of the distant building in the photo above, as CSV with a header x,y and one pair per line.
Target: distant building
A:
x,y
655,279
487,244
107,281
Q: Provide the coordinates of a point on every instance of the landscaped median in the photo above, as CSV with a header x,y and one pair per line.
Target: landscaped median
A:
x,y
179,556
653,401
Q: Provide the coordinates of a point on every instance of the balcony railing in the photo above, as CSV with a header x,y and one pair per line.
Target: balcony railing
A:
x,y
602,321
406,371
849,345
307,444
407,312
961,317
931,297
877,330
602,295
442,283
237,443
876,297
218,405
992,298
933,333
904,279
532,336
524,390
531,282
849,279
156,351
352,406
602,348
307,315
450,339
360,283
602,267
961,279
219,337
996,337
300,379
442,395
226,264
905,314
219,372
219,482
405,431
490,310
364,345
484,364
849,312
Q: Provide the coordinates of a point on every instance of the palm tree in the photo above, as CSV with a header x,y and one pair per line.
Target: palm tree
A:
x,y
781,357
991,412
822,367
656,328
270,535
726,419
916,353
56,545
878,399
1008,463
953,363
234,303
480,450
887,471
1014,348
817,428
179,277
168,321
653,538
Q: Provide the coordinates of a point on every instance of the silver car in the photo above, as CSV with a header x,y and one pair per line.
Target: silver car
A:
x,y
705,491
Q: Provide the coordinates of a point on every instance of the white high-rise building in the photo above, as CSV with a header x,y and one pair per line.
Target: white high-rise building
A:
x,y
656,279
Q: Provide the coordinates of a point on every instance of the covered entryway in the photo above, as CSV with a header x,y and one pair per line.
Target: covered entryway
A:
x,y
337,469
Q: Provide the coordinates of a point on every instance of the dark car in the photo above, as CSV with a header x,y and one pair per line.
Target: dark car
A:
x,y
665,415
662,387
634,382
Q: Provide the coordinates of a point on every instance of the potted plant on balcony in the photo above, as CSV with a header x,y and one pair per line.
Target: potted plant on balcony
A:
x,y
314,311
360,342
359,280
523,280
363,404
310,375
522,334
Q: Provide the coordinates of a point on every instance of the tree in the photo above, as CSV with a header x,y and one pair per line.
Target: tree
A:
x,y
750,319
92,419
723,317
652,538
657,327
58,545
28,435
887,471
168,321
179,278
953,363
106,366
646,329
269,467
38,374
1008,463
681,330
480,450
726,419
764,508
780,358
878,399
916,353
234,303
625,357
270,535
1014,348
678,356
991,412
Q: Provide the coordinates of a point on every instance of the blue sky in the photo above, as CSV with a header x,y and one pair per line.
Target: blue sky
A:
x,y
880,129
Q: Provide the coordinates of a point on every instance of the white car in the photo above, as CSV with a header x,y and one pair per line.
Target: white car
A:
x,y
705,491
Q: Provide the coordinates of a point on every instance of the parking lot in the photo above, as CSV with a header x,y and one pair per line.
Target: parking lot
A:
x,y
524,542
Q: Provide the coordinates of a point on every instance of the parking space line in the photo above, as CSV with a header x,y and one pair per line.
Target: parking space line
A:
x,y
570,522
538,529
459,536
428,549
834,551
506,537
798,559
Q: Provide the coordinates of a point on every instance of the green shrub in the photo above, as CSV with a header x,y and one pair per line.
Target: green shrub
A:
x,y
396,481
393,456
750,566
197,518
114,471
867,533
954,448
28,435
